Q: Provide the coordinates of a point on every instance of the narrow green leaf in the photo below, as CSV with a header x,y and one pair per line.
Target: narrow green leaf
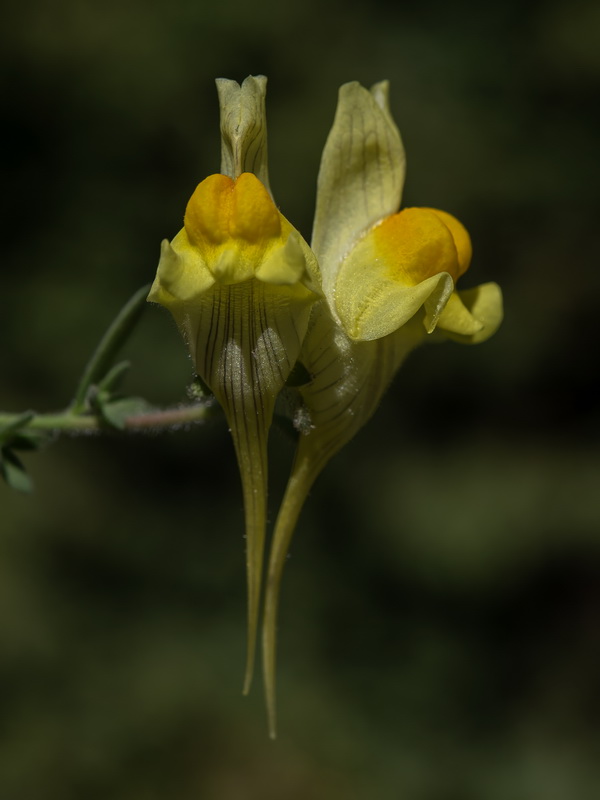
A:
x,y
29,440
114,338
116,412
13,472
8,431
114,376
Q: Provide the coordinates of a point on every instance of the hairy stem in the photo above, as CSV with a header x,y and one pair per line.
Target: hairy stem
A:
x,y
69,421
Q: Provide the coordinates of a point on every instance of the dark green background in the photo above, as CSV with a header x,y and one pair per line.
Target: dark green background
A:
x,y
440,624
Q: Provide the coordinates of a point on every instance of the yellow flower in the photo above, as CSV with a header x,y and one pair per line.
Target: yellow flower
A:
x,y
388,280
236,279
252,300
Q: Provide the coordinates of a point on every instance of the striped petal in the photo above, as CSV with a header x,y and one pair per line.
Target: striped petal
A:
x,y
244,340
361,175
244,127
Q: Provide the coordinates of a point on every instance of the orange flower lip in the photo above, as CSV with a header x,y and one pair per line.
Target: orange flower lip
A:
x,y
418,243
221,210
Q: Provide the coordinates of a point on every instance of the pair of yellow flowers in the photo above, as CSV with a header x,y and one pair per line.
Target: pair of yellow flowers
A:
x,y
253,300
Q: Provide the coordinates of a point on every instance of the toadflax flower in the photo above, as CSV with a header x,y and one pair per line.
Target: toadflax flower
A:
x,y
389,282
237,280
253,300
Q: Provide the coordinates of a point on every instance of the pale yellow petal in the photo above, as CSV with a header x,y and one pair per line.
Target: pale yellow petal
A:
x,y
360,178
287,264
484,305
381,306
244,127
181,275
457,318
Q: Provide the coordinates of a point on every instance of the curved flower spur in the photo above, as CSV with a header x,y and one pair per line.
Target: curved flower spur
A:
x,y
236,279
388,280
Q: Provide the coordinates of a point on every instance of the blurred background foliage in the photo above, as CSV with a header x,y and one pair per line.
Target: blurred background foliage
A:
x,y
440,624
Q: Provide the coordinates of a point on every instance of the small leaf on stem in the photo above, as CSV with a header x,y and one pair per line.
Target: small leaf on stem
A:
x,y
112,341
13,471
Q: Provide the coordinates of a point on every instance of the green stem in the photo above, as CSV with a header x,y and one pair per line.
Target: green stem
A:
x,y
70,422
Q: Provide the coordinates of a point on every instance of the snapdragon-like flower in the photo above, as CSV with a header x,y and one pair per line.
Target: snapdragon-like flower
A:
x,y
236,279
388,280
252,301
